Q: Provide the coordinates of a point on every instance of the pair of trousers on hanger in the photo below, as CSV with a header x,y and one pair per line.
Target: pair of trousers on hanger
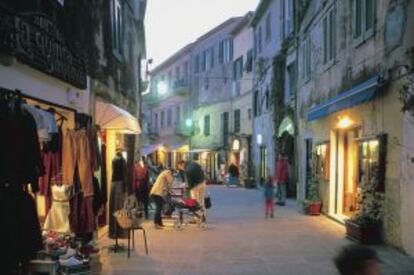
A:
x,y
77,153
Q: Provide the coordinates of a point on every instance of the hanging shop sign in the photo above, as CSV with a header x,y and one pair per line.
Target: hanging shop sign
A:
x,y
35,40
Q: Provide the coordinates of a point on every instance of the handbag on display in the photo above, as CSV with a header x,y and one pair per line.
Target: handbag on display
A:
x,y
129,216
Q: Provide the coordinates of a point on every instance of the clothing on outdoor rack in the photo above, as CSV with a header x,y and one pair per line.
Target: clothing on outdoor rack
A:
x,y
20,165
82,218
194,173
52,170
20,230
76,154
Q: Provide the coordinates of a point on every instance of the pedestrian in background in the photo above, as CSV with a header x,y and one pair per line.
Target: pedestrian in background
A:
x,y
161,187
269,195
141,184
358,260
281,178
197,184
233,175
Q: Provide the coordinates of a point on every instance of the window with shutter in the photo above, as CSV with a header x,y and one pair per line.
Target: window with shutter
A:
x,y
237,121
329,36
364,14
207,125
268,28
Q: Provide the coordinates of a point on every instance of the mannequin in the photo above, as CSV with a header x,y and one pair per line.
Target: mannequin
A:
x,y
117,195
57,219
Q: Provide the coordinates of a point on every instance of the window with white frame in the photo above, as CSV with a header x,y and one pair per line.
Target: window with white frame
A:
x,y
116,18
306,58
288,17
329,36
228,50
268,28
364,15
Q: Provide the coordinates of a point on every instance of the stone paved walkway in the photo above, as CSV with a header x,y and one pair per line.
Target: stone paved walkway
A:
x,y
239,240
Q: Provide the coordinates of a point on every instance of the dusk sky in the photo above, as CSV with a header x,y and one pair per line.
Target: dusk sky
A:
x,y
171,24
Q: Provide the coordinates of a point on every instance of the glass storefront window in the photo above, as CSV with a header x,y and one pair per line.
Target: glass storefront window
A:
x,y
369,161
322,161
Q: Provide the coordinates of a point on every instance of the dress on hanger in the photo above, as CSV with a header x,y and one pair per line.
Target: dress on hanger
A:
x,y
57,219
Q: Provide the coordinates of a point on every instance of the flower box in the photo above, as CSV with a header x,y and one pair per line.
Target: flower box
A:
x,y
313,208
364,234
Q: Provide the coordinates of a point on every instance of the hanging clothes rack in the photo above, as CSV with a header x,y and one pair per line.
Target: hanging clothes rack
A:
x,y
43,101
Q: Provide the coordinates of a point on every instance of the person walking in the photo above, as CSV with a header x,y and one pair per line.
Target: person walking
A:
x,y
197,184
233,175
141,184
269,194
161,186
281,178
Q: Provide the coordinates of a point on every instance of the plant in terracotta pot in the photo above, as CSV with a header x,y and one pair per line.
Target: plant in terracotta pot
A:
x,y
312,205
365,226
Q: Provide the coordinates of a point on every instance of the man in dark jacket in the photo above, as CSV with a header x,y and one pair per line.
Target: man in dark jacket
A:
x,y
197,184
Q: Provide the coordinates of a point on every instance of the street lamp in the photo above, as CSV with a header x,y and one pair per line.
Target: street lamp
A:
x,y
162,88
188,122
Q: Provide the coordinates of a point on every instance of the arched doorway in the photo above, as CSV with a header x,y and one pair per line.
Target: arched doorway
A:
x,y
286,141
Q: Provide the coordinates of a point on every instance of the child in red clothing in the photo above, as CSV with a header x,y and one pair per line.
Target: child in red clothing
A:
x,y
269,194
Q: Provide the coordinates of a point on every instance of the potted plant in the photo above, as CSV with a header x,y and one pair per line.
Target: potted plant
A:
x,y
312,205
365,226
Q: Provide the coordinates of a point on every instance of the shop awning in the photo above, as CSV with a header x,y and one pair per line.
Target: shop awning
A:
x,y
358,94
173,143
111,117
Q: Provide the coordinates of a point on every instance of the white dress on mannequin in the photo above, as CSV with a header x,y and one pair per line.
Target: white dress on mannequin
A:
x,y
57,219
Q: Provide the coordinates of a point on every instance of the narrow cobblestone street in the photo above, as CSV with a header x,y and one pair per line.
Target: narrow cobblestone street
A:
x,y
239,240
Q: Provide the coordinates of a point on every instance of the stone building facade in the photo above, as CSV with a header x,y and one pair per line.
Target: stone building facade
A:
x,y
353,61
168,110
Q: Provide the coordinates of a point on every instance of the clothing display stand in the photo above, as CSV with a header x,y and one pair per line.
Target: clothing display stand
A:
x,y
131,232
116,247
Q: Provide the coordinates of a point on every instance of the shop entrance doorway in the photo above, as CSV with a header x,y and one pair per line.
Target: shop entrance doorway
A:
x,y
346,187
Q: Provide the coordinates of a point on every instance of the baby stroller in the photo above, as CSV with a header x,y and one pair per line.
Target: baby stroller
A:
x,y
187,209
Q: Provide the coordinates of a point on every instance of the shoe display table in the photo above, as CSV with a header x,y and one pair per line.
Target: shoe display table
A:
x,y
43,266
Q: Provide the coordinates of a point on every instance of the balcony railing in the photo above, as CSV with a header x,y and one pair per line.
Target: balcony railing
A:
x,y
181,87
183,130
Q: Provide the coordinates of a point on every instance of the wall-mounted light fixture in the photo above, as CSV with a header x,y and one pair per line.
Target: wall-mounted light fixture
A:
x,y
344,122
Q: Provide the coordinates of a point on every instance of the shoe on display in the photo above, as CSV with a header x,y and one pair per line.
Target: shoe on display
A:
x,y
69,253
72,261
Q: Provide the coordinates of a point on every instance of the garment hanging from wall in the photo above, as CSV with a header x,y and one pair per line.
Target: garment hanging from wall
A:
x,y
20,165
57,219
117,195
77,155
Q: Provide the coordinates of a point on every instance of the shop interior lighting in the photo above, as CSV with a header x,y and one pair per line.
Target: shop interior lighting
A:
x,y
344,122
